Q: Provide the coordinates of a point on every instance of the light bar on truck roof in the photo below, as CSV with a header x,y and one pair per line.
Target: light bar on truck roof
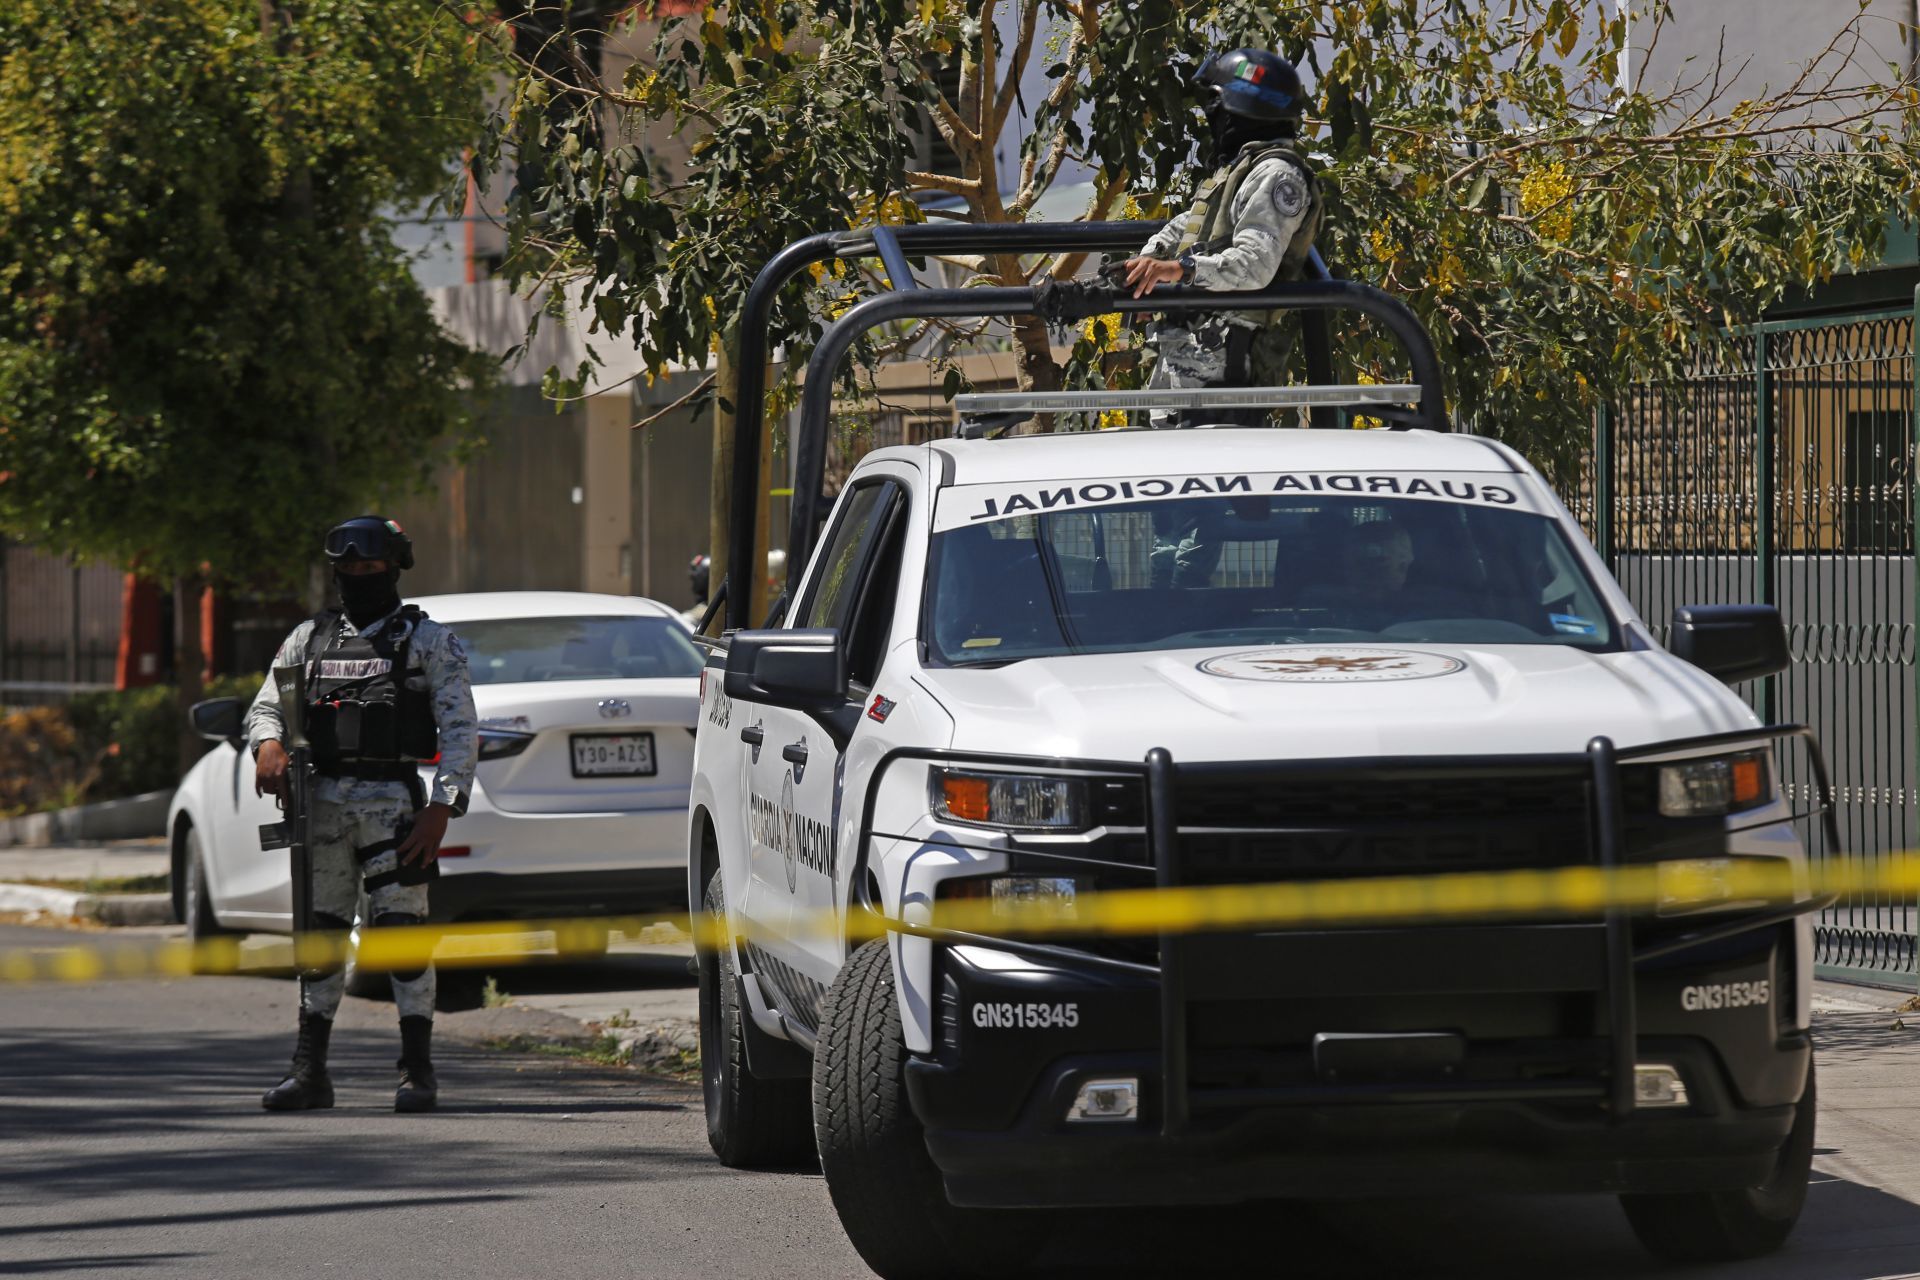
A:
x,y
976,402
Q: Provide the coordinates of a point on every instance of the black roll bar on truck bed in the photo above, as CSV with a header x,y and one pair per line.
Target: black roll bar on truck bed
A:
x,y
905,301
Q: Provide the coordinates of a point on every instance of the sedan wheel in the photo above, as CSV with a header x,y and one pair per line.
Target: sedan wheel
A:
x,y
196,905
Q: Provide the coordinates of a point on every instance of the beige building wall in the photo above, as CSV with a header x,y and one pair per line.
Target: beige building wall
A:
x,y
607,494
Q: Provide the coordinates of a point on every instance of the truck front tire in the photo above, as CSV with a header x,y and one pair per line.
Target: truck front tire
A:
x,y
884,1185
751,1123
1725,1226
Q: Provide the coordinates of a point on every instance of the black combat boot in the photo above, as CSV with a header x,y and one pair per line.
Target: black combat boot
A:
x,y
307,1087
418,1089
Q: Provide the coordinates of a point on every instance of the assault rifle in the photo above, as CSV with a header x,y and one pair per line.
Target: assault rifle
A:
x,y
292,831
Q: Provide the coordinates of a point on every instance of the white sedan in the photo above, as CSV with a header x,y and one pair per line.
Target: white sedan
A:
x,y
587,709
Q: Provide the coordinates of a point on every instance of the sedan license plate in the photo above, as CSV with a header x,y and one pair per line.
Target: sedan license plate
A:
x,y
612,755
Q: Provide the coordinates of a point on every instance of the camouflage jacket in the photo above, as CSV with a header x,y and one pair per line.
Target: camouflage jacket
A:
x,y
1269,207
435,652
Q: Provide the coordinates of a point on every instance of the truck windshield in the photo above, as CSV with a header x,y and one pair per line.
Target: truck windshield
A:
x,y
1254,568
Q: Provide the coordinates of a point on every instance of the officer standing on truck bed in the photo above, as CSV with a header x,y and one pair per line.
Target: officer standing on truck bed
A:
x,y
386,690
1251,224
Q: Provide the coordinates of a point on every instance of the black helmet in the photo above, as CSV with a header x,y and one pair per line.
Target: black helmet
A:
x,y
1253,84
370,538
697,575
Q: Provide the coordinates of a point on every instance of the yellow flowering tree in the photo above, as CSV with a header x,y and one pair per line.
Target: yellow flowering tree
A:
x,y
1561,226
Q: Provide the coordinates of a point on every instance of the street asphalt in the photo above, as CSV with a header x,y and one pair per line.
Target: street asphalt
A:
x,y
132,1143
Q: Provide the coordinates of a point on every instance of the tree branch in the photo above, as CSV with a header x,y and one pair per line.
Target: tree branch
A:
x,y
704,385
920,180
1016,69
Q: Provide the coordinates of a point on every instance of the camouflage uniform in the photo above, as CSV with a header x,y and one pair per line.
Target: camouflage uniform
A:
x,y
1268,210
350,815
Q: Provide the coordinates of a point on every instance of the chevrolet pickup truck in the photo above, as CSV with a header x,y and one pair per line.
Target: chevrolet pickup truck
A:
x,y
1020,668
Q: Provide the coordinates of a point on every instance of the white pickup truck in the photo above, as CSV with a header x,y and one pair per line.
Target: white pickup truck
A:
x,y
1044,666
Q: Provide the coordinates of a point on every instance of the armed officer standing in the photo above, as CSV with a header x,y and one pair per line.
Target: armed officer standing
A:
x,y
386,689
1251,224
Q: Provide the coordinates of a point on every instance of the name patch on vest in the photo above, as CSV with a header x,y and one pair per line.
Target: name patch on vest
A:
x,y
354,668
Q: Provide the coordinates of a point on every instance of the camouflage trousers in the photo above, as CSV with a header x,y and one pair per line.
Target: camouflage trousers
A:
x,y
1191,360
354,831
1188,359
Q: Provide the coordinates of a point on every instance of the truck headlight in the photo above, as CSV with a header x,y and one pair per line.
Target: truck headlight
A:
x,y
1697,885
1715,785
1017,801
1049,897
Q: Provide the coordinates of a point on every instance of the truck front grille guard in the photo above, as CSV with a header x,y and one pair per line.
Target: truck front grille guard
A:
x,y
1157,774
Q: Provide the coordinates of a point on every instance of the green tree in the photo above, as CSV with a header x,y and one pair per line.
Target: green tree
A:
x,y
1562,225
210,348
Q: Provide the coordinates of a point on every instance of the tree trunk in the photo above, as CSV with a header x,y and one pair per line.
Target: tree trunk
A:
x,y
188,660
1034,345
720,482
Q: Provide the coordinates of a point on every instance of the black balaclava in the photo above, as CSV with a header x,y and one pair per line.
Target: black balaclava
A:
x,y
368,597
1230,132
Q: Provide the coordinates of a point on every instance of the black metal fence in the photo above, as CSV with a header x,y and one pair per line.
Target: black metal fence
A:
x,y
1781,472
59,626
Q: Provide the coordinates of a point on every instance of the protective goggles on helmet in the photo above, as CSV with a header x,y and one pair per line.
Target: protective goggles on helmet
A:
x,y
368,540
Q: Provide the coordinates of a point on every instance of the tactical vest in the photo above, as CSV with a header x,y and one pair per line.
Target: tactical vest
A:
x,y
1258,344
1212,224
368,713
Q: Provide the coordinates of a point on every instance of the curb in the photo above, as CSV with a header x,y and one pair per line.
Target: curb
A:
x,y
116,909
124,909
130,819
664,1045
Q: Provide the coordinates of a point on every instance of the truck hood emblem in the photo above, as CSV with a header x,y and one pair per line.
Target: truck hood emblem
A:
x,y
1330,664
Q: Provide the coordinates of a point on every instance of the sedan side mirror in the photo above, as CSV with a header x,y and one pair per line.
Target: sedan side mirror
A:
x,y
217,719
1732,641
805,670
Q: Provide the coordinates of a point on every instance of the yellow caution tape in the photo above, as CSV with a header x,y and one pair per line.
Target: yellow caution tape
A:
x,y
1696,889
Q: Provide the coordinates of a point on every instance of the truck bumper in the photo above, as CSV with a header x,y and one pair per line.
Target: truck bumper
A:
x,y
1525,1108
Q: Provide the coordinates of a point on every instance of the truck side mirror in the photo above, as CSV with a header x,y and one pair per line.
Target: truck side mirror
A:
x,y
805,670
1732,641
217,719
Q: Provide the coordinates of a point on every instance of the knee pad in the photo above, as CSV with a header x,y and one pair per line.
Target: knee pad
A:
x,y
400,919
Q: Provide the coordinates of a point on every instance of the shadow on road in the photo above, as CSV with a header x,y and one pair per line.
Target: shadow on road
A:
x,y
183,1117
92,1264
1849,1232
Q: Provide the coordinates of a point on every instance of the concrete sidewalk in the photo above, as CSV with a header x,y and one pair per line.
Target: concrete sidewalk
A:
x,y
79,869
110,860
1868,1056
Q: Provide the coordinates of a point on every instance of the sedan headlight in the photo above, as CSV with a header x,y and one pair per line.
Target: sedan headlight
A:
x,y
1016,801
1715,785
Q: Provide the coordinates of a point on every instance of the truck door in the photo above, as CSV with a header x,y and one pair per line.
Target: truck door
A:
x,y
793,771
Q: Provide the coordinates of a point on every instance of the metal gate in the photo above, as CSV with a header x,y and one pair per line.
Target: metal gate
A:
x,y
1780,472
